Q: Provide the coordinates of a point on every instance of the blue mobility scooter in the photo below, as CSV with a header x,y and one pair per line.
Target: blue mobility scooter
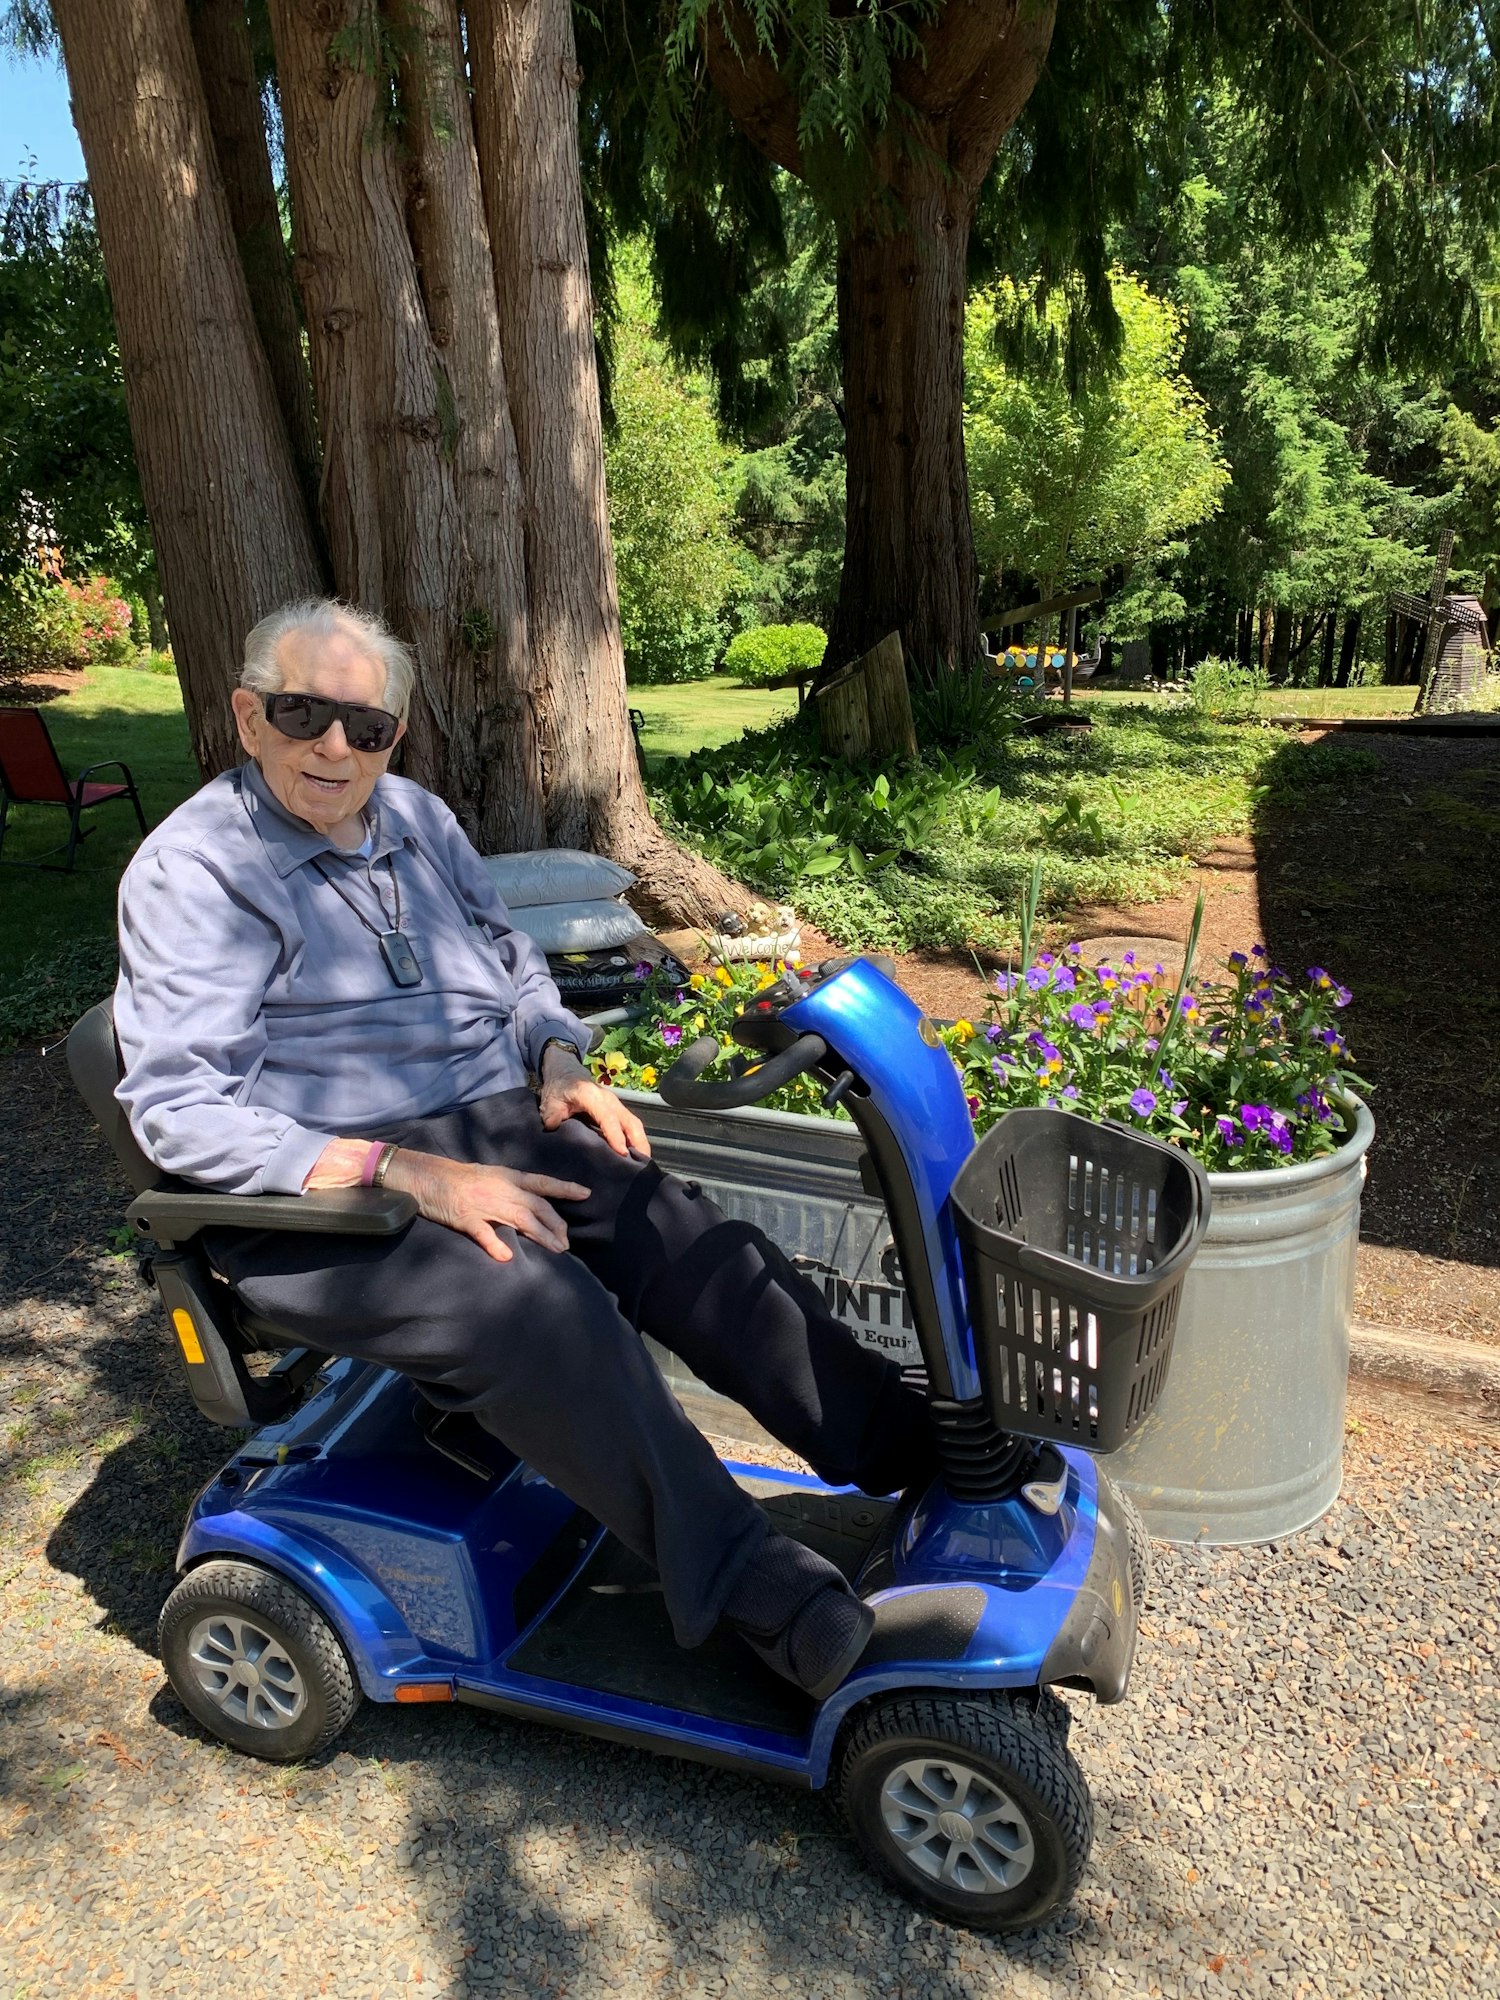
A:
x,y
360,1544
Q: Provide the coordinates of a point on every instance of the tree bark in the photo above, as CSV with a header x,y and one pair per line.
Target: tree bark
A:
x,y
1349,650
1281,645
226,63
233,539
1330,633
526,77
414,473
909,550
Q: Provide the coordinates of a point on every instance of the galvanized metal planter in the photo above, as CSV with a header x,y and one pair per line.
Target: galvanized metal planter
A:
x,y
1246,1444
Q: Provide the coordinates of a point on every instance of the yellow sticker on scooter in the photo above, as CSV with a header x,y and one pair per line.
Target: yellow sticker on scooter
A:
x,y
187,1338
1118,1595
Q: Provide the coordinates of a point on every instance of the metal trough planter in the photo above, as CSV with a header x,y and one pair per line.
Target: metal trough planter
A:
x,y
1246,1444
1247,1441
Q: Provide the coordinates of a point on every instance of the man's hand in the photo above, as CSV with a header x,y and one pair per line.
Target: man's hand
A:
x,y
473,1199
568,1091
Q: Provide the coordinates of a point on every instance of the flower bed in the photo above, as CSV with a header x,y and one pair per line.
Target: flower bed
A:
x,y
1247,1071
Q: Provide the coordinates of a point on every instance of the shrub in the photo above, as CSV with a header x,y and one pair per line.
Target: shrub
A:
x,y
1225,692
102,619
766,652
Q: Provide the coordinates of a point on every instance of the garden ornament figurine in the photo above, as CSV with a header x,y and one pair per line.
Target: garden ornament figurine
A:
x,y
320,988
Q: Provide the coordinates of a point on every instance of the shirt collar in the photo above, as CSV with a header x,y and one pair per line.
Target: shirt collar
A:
x,y
291,842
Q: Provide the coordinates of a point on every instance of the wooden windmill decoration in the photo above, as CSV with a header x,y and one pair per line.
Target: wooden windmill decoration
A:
x,y
1450,633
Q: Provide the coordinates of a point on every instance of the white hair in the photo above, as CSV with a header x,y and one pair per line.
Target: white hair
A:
x,y
326,618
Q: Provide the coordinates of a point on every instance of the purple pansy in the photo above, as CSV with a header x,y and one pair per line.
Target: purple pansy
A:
x,y
1082,1015
1143,1102
671,1034
1036,978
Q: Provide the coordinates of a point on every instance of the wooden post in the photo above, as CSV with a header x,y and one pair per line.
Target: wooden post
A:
x,y
1070,635
1436,623
865,711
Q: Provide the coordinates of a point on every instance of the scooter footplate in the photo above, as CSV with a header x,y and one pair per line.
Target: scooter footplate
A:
x,y
609,1631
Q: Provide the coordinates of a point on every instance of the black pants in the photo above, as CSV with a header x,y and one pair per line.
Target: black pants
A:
x,y
544,1350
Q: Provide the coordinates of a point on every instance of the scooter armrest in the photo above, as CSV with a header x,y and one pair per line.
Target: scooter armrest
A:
x,y
169,1216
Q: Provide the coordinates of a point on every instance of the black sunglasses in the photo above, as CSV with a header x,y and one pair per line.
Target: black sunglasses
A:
x,y
307,716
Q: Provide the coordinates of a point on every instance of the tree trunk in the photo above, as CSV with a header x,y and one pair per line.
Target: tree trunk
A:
x,y
226,64
1281,645
1349,651
909,561
1330,634
413,475
908,551
526,77
1265,639
232,535
156,617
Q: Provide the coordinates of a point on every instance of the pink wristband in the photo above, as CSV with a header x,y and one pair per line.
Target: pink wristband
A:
x,y
372,1161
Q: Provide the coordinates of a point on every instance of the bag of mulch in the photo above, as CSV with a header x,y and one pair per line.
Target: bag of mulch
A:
x,y
545,875
590,981
577,926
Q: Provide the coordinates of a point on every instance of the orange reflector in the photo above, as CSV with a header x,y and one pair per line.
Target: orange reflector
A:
x,y
425,1691
187,1336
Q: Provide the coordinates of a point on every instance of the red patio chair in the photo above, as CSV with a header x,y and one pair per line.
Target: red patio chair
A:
x,y
32,775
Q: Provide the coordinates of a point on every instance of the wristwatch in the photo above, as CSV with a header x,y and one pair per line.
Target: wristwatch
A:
x,y
556,1042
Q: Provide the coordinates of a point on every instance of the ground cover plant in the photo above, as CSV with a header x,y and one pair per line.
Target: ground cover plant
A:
x,y
937,852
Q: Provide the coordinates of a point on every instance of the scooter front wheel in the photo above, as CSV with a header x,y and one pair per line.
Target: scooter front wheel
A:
x,y
256,1662
971,1805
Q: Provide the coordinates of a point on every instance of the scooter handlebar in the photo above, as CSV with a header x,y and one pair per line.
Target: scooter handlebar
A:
x,y
681,1088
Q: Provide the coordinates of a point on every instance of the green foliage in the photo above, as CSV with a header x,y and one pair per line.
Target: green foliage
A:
x,y
1118,815
1068,485
54,987
668,504
1225,692
963,705
765,652
1328,447
49,624
67,468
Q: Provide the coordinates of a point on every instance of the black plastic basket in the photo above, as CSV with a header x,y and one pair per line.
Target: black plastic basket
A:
x,y
1076,1237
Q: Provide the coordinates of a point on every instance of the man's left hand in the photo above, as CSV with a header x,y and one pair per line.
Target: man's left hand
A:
x,y
568,1091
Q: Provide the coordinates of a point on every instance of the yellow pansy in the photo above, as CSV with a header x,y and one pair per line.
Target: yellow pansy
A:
x,y
697,1024
614,1062
697,982
648,1076
964,1030
724,976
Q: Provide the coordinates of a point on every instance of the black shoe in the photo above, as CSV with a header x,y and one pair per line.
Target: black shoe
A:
x,y
796,1611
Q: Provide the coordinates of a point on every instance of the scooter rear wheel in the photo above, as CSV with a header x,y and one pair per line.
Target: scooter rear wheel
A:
x,y
970,1805
256,1662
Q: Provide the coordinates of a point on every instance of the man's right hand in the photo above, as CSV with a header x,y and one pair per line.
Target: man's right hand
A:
x,y
474,1199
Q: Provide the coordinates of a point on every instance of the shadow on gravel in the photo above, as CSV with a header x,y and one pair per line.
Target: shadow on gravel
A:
x,y
120,1535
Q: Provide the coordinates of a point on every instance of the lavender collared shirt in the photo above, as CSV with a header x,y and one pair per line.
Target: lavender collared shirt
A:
x,y
255,1013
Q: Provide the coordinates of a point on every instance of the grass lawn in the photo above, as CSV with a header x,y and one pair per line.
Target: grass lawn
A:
x,y
1375,700
138,718
700,715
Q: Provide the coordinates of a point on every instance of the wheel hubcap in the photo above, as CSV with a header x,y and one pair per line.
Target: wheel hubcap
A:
x,y
956,1826
245,1672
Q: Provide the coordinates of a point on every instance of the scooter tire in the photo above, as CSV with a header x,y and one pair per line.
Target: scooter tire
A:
x,y
238,1610
1014,1745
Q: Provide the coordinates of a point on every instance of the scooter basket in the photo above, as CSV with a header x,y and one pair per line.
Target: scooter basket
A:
x,y
1075,1237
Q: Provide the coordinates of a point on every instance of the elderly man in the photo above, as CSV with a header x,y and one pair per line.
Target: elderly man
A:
x,y
320,988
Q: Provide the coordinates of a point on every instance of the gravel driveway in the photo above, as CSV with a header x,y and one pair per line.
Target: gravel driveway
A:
x,y
1299,1796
